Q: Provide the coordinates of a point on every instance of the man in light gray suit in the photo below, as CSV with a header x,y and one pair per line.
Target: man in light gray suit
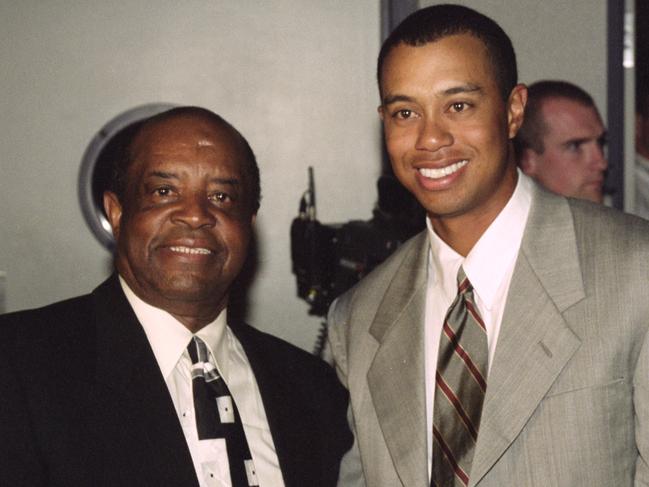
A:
x,y
558,286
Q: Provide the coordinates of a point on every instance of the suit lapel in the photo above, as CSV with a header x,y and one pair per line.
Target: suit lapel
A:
x,y
289,408
396,377
285,410
139,417
534,343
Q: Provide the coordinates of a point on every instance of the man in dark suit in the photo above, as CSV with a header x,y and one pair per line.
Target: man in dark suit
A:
x,y
100,390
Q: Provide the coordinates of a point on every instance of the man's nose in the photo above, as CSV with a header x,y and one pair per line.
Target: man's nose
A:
x,y
599,158
195,211
433,135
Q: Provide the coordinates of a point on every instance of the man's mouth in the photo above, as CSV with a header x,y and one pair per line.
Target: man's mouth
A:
x,y
438,173
190,250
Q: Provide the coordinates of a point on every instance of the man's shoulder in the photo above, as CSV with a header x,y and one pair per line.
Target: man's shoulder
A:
x,y
593,224
372,287
264,344
56,322
608,224
53,336
48,316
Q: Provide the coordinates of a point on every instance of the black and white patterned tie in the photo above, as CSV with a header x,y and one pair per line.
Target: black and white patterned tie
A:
x,y
217,415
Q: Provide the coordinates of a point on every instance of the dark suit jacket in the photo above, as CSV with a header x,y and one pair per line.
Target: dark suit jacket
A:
x,y
83,403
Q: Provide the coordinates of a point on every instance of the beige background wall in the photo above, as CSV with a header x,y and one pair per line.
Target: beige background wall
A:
x,y
296,77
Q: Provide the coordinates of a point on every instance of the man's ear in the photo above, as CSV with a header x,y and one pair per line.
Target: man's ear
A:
x,y
529,162
113,210
516,109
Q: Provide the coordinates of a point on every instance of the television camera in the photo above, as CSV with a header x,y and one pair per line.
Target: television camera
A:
x,y
328,259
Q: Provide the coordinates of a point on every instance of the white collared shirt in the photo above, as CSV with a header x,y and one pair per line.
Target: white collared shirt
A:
x,y
169,339
489,267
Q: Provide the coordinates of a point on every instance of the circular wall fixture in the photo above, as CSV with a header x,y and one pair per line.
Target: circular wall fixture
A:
x,y
95,171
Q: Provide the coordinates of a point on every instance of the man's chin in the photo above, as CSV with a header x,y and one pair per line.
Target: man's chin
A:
x,y
593,195
184,287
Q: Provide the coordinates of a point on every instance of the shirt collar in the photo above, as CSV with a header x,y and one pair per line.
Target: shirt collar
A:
x,y
489,260
169,338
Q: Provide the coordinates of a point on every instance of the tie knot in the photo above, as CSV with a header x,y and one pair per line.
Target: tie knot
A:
x,y
198,351
463,283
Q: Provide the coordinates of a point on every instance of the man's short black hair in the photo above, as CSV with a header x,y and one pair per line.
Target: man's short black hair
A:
x,y
534,128
122,155
433,23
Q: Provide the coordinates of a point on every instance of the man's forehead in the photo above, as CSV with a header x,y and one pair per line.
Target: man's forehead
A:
x,y
184,127
558,104
454,64
182,133
561,110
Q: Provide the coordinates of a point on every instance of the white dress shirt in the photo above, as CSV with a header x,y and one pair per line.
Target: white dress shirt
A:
x,y
169,339
489,267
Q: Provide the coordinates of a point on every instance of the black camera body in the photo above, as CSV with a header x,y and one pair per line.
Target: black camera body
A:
x,y
330,259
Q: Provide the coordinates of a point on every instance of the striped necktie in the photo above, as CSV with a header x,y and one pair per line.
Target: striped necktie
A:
x,y
217,415
460,385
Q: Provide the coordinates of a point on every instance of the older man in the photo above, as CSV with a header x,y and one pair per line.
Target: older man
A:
x,y
507,344
144,381
562,139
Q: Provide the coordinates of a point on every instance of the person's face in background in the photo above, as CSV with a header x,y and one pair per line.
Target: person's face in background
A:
x,y
573,162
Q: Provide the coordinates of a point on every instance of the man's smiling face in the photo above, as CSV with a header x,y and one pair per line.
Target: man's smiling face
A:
x,y
447,128
184,223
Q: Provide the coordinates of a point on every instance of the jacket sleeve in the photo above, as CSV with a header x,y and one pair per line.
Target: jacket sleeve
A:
x,y
641,407
21,463
351,469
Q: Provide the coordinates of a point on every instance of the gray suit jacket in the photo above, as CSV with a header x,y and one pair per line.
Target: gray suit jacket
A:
x,y
567,399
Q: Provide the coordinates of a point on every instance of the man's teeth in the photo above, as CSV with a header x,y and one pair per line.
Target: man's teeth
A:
x,y
442,171
191,250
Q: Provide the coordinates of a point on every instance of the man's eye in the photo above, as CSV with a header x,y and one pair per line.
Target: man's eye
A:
x,y
162,191
403,114
574,146
220,197
459,106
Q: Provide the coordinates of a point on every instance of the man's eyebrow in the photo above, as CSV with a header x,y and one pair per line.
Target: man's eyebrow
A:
x,y
602,139
230,181
454,90
388,100
162,175
467,88
171,175
577,141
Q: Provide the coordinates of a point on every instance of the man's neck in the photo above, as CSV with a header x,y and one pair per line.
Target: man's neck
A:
x,y
193,312
462,232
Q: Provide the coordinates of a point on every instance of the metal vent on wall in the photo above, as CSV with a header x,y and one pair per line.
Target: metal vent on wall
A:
x,y
95,168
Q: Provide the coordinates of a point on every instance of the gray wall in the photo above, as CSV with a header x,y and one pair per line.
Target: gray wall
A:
x,y
295,76
554,39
